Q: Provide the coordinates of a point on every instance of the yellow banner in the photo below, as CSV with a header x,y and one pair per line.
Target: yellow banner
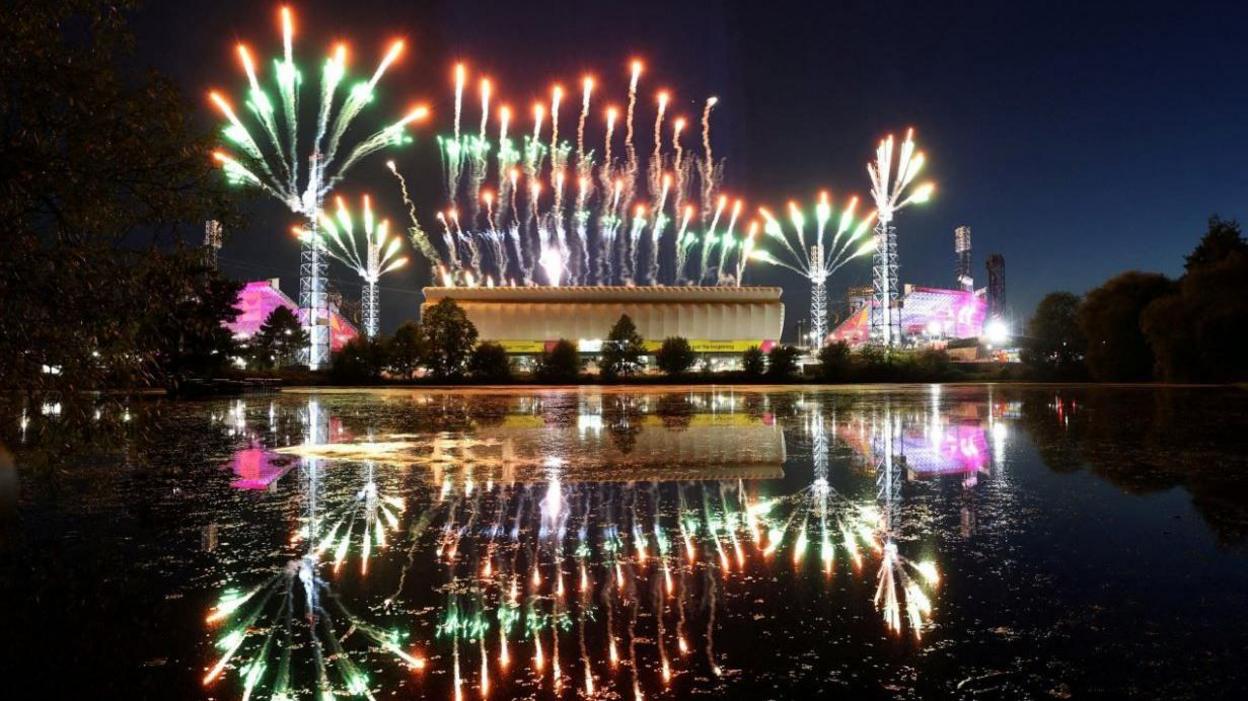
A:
x,y
701,345
522,346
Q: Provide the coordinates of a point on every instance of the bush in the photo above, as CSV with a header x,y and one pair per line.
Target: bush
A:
x,y
361,360
835,364
622,351
782,362
405,350
489,362
753,362
561,364
930,365
675,356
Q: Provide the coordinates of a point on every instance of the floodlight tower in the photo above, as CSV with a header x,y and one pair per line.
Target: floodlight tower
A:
x,y
889,191
212,241
962,250
818,295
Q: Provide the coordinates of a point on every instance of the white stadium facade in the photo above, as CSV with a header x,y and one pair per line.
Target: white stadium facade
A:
x,y
528,320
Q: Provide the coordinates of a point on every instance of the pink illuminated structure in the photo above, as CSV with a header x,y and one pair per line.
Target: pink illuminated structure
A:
x,y
258,299
927,314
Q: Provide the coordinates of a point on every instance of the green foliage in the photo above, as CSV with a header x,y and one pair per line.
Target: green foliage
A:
x,y
1110,319
782,361
489,362
448,338
279,340
102,169
560,364
675,356
406,348
1055,345
753,362
881,364
835,364
621,351
362,360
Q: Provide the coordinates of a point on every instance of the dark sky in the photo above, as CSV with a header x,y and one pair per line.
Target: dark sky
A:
x,y
1079,139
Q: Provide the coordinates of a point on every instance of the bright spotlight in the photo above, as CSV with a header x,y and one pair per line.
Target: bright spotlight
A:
x,y
996,332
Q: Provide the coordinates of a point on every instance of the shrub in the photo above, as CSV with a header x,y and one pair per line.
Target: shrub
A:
x,y
753,362
561,363
622,350
489,362
835,364
782,362
675,356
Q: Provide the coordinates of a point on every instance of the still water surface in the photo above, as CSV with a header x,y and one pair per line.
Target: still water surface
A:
x,y
974,541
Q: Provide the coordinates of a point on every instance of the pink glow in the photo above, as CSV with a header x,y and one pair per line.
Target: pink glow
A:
x,y
258,299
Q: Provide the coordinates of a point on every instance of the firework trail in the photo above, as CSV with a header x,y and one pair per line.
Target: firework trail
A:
x,y
570,221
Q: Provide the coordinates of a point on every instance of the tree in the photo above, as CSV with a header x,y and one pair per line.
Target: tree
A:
x,y
184,325
1199,333
448,338
103,170
782,361
753,362
361,360
279,340
834,362
489,362
621,352
1055,344
406,349
560,364
1222,239
1110,320
675,356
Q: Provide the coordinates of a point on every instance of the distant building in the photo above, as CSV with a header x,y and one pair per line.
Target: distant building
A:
x,y
258,299
927,314
528,320
962,254
996,286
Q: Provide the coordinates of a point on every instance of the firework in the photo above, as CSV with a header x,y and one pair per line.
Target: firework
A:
x,y
891,190
816,256
272,161
528,207
374,256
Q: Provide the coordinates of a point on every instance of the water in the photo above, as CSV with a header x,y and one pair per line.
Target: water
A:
x,y
911,542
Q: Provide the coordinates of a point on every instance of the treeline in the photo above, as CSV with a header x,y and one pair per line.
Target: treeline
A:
x,y
1145,326
444,348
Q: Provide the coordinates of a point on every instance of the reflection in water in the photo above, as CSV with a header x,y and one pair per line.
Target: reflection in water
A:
x,y
616,544
598,550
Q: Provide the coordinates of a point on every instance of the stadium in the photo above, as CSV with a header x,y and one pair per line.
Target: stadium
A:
x,y
528,320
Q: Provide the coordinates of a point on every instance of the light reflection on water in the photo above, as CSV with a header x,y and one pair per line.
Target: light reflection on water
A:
x,y
659,543
592,553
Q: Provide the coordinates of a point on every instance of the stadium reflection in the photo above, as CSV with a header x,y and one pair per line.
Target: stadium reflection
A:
x,y
575,543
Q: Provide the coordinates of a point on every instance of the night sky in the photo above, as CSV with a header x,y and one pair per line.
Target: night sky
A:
x,y
1077,139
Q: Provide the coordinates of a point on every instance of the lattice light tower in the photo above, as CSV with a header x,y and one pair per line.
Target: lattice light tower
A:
x,y
212,241
819,260
272,160
374,256
888,189
962,250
